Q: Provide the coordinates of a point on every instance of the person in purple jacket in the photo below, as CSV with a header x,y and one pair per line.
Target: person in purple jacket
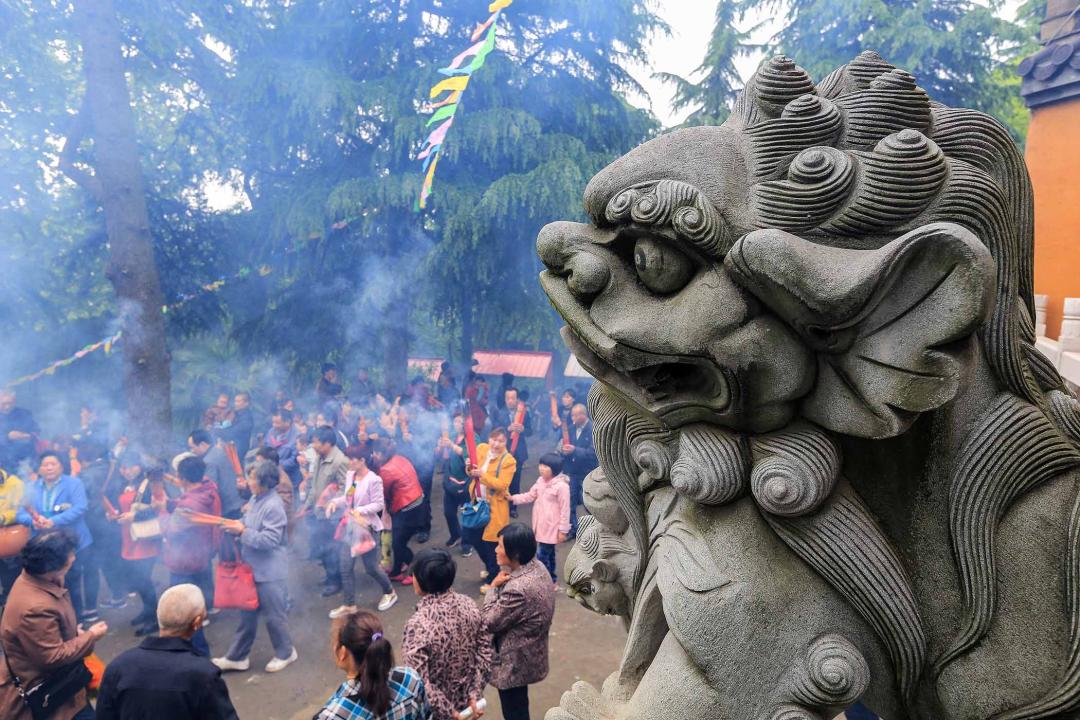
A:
x,y
360,507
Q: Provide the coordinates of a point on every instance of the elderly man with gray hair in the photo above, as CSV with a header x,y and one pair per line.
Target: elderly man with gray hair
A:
x,y
164,678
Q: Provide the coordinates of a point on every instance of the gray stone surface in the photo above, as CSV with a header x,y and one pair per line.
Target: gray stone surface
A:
x,y
833,467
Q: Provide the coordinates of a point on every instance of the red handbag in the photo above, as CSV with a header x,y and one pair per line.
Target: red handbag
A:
x,y
234,582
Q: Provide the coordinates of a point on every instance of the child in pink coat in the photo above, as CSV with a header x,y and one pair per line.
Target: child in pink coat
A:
x,y
551,513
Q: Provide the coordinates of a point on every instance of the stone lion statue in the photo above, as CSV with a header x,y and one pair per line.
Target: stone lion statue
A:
x,y
833,466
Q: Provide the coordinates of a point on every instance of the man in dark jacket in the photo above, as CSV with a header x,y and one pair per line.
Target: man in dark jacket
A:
x,y
164,678
219,470
18,432
243,424
580,460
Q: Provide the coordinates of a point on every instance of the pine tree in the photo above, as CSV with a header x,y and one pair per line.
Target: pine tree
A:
x,y
713,94
959,50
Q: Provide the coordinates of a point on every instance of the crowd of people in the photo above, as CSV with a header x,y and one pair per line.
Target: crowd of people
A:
x,y
353,474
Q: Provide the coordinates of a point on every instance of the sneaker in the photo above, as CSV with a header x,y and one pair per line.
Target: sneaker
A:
x,y
206,621
452,542
342,610
225,664
388,601
114,603
483,574
423,537
133,594
467,552
278,664
213,611
513,513
401,579
90,617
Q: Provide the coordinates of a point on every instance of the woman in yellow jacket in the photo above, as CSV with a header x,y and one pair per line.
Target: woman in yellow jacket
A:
x,y
12,513
491,481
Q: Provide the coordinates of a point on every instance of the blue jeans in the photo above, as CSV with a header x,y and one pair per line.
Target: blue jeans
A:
x,y
577,497
545,552
198,640
859,712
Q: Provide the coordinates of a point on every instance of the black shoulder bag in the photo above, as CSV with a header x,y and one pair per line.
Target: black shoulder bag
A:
x,y
57,688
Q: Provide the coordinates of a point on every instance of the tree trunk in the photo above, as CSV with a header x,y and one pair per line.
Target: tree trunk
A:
x,y
466,328
118,185
396,343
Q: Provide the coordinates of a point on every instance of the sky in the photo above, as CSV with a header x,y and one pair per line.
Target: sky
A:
x,y
681,52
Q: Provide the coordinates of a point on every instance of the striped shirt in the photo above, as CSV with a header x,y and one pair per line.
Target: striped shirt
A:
x,y
408,701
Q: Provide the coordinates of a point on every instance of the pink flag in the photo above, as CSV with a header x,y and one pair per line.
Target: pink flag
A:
x,y
436,138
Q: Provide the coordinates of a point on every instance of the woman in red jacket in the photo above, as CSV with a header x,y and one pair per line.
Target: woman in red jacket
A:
x,y
404,499
141,504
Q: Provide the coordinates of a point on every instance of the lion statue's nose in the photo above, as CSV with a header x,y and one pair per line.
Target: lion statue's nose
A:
x,y
569,251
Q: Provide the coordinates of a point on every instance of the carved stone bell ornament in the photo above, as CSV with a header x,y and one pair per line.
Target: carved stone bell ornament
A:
x,y
833,466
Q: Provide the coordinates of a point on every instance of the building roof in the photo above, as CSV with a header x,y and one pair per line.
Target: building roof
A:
x,y
574,369
522,363
1053,73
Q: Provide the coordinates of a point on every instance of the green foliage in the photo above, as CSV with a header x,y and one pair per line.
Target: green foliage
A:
x,y
310,109
959,50
714,93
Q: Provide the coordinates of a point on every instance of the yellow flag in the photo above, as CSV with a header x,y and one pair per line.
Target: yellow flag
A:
x,y
499,5
457,82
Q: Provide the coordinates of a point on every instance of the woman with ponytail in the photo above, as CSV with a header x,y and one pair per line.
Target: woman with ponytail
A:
x,y
373,689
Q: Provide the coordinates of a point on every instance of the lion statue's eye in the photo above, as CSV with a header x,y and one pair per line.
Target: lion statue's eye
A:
x,y
660,267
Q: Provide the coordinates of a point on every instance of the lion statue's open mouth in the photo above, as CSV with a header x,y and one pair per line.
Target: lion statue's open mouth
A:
x,y
819,400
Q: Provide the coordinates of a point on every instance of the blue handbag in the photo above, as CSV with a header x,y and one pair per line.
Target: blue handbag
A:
x,y
476,515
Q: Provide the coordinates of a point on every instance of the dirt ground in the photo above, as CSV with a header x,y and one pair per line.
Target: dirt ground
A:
x,y
584,646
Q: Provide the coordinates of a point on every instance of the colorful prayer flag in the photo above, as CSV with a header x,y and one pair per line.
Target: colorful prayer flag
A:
x,y
445,110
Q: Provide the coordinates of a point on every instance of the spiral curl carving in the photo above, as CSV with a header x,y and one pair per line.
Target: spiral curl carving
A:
x,y
794,471
895,79
589,536
618,208
876,112
793,712
654,459
900,179
834,675
856,75
674,204
819,181
808,121
712,465
779,81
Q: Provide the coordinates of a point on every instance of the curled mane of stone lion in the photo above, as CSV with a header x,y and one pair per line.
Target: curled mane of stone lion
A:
x,y
833,466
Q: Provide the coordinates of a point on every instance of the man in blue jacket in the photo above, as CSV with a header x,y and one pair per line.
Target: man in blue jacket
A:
x,y
58,500
580,460
164,678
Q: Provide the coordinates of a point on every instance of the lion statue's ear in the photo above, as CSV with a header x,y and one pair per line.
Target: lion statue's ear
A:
x,y
888,325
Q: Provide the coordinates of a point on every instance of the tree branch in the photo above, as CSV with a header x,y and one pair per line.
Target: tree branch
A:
x,y
89,182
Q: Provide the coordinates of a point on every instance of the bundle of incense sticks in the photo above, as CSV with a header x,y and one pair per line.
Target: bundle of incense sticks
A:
x,y
519,419
234,458
470,439
555,419
201,518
